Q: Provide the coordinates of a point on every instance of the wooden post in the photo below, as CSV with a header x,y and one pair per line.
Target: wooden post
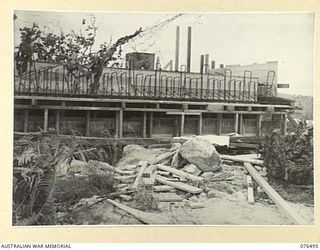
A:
x,y
26,121
120,123
58,121
200,125
88,123
182,125
236,122
219,124
150,124
144,124
45,120
259,120
240,124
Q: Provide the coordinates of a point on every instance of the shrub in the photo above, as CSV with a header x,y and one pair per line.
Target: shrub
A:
x,y
289,157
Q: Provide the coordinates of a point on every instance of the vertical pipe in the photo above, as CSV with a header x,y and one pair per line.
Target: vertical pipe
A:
x,y
176,63
206,63
201,63
189,50
213,64
45,120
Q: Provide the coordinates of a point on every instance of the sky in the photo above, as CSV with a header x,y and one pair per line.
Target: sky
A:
x,y
229,38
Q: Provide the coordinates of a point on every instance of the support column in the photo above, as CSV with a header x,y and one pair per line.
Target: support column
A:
x,y
259,120
144,124
58,121
236,122
219,124
120,123
240,124
182,125
88,123
117,124
26,121
150,124
200,125
45,120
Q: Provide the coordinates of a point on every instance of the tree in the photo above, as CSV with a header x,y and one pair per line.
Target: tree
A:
x,y
75,51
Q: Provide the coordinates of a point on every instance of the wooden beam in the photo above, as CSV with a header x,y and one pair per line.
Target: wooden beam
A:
x,y
150,124
144,124
180,173
87,123
162,188
179,185
200,125
137,182
26,121
238,158
250,190
219,124
120,123
58,121
182,125
45,120
147,218
284,207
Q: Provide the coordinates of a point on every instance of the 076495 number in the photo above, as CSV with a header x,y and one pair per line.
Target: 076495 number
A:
x,y
309,246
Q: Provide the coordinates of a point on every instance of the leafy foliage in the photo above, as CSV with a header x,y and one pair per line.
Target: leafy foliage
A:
x,y
34,174
289,157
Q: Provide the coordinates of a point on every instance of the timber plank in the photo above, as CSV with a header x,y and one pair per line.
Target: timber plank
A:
x,y
179,173
284,207
137,182
179,185
238,158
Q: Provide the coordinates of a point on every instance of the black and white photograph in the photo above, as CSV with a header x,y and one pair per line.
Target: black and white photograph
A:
x,y
163,118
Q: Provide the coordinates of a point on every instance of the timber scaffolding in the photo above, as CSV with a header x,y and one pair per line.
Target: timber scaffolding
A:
x,y
131,103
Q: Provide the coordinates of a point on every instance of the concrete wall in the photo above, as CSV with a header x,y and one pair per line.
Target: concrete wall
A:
x,y
259,70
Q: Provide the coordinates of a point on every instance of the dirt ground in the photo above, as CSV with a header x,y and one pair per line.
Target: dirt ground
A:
x,y
224,203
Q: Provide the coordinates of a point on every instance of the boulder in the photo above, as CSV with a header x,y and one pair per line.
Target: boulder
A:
x,y
132,154
202,154
192,169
